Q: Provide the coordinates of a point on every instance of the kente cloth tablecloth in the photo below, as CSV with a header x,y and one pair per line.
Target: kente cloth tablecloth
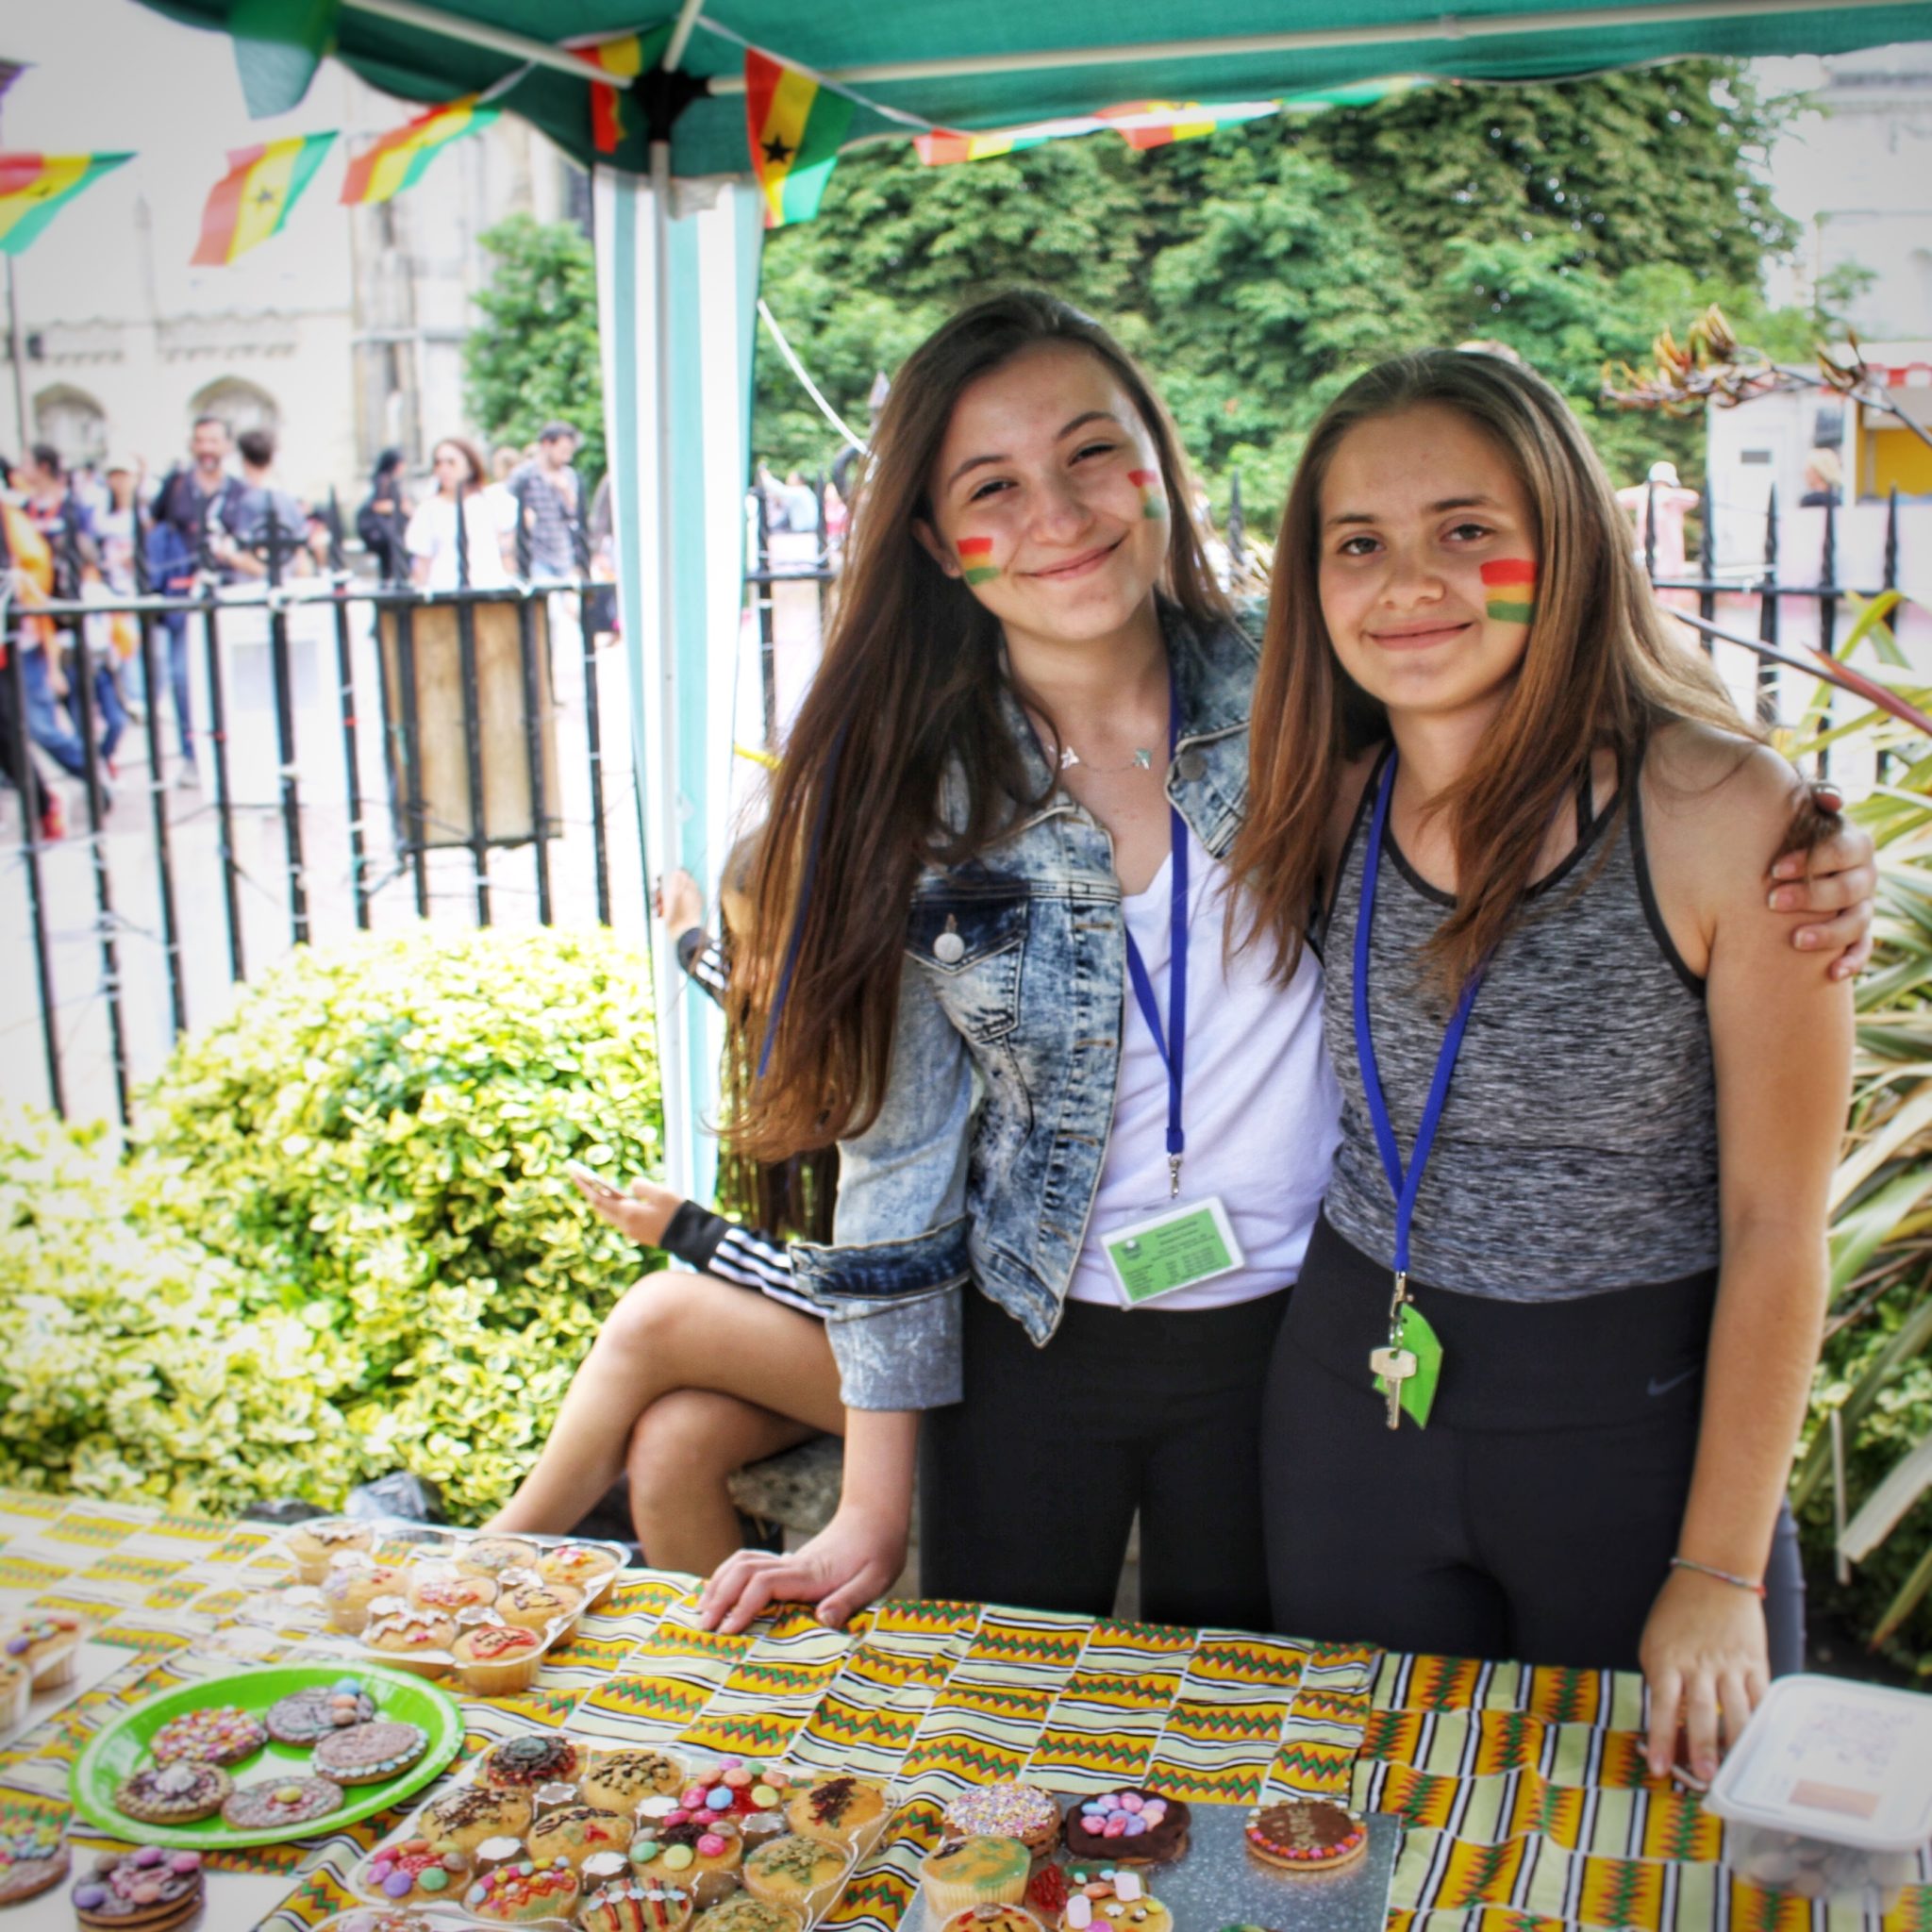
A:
x,y
1522,1789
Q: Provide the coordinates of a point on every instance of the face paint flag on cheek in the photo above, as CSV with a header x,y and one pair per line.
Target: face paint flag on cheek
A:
x,y
975,559
1153,495
1510,590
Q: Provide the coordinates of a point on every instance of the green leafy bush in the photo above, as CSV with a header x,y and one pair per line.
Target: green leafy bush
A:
x,y
132,1366
373,1144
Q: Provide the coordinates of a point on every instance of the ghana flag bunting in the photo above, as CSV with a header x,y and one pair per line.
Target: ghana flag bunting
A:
x,y
397,160
624,59
1155,123
35,188
795,127
252,200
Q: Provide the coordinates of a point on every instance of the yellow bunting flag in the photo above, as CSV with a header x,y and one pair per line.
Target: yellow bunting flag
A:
x,y
252,200
795,127
35,188
396,160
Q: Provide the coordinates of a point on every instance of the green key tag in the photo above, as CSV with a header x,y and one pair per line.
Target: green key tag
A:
x,y
1184,1246
1419,1389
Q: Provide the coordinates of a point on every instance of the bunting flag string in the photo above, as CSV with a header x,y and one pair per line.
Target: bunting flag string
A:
x,y
795,127
1140,124
624,58
35,188
252,200
398,160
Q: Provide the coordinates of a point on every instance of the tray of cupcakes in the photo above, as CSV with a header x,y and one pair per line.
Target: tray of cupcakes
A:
x,y
629,1839
486,1609
265,1754
1020,1857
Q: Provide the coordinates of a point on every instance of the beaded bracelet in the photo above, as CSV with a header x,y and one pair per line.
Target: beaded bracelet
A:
x,y
1756,1589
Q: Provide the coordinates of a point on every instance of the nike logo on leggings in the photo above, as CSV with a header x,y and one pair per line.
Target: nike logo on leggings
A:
x,y
1663,1385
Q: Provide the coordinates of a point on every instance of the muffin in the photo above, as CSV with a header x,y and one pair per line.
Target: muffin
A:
x,y
417,1871
633,1905
747,1914
617,1779
993,1918
733,1789
416,1640
515,1894
497,1659
314,1545
536,1606
355,1583
16,1691
490,1556
679,1849
466,1819
525,1762
805,1873
569,1836
587,1567
442,1587
49,1647
975,1872
848,1811
1007,1809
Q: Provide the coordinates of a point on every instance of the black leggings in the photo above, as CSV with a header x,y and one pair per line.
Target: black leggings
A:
x,y
1027,1489
1536,1516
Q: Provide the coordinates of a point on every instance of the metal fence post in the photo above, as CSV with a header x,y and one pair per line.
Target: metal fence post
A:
x,y
1767,614
289,780
157,795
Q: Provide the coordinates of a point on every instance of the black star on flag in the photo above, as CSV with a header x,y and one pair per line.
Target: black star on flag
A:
x,y
777,153
265,198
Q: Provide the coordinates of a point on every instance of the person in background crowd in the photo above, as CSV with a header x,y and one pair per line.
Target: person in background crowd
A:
x,y
114,637
263,514
431,537
1825,479
383,519
550,496
178,520
28,567
54,510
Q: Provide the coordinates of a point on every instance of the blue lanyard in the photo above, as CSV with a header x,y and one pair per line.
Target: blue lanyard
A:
x,y
1405,1186
1171,1042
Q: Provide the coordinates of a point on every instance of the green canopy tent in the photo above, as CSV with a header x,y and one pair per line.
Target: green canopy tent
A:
x,y
678,226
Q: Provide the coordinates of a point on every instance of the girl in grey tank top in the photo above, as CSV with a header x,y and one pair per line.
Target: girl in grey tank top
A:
x,y
1583,1099
1562,1435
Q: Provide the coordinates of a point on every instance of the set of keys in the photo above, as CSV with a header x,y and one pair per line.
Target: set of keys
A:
x,y
1394,1365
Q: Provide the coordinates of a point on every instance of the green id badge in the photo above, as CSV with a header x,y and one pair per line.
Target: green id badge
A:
x,y
1172,1251
1419,1389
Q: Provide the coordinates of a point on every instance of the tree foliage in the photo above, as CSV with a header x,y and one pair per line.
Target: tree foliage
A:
x,y
1259,268
533,360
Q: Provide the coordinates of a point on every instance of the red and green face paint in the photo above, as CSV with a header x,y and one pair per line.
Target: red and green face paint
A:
x,y
975,559
1153,493
1510,590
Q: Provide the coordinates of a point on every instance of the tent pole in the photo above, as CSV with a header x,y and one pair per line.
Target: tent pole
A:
x,y
1447,27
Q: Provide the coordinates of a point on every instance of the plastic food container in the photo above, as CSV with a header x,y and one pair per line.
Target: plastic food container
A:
x,y
550,1775
409,1595
1828,1793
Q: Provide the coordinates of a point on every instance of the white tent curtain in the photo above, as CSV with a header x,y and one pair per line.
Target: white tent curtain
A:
x,y
678,284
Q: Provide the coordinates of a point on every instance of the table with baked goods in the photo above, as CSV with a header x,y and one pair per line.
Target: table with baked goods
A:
x,y
1521,1791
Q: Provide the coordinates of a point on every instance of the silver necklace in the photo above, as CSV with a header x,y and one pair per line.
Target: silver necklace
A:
x,y
1141,760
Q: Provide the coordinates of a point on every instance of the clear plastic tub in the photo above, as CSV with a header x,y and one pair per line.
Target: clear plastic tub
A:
x,y
1828,1793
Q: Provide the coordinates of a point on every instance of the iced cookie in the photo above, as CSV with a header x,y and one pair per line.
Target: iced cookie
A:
x,y
32,1859
270,1803
367,1753
143,1890
304,1716
1306,1835
223,1735
175,1793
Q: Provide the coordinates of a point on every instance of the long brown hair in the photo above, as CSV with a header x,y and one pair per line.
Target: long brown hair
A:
x,y
909,690
1599,669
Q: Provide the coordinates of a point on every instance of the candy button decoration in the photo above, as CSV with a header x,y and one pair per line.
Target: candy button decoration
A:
x,y
719,1797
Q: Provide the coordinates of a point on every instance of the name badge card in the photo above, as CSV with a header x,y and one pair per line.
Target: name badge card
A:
x,y
1186,1246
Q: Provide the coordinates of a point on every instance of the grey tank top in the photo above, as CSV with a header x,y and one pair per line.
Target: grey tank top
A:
x,y
1578,1150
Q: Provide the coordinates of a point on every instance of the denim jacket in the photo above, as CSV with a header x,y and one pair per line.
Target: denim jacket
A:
x,y
983,1160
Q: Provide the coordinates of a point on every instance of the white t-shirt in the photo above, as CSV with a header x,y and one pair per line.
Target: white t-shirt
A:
x,y
1260,1107
432,533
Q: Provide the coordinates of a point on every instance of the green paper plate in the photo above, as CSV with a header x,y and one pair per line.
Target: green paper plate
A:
x,y
121,1750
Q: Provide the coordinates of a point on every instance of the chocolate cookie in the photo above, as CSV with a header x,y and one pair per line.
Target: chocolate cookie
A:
x,y
175,1793
367,1753
1131,1825
1306,1835
304,1716
531,1760
32,1858
270,1803
143,1890
223,1734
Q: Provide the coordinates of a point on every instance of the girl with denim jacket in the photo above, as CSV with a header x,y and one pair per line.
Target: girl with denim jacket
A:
x,y
1031,715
